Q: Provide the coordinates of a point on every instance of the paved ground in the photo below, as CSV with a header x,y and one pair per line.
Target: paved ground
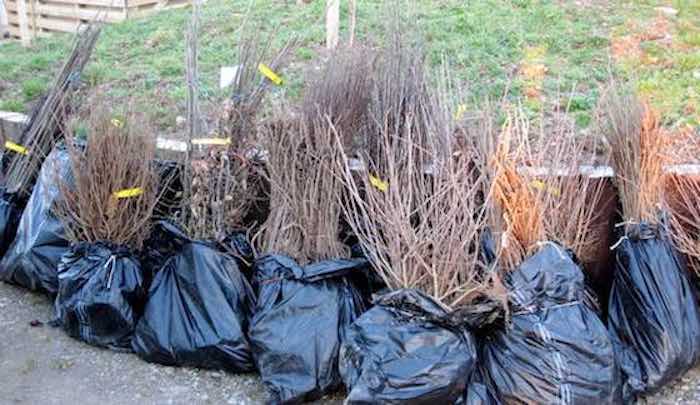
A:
x,y
40,364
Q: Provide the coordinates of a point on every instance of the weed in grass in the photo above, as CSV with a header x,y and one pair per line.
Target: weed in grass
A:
x,y
32,88
12,105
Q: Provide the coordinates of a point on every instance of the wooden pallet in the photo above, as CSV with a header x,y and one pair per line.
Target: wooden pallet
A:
x,y
47,16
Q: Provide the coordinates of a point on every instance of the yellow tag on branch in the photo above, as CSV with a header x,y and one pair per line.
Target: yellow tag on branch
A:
x,y
15,147
461,110
267,72
542,186
211,141
378,183
129,192
117,122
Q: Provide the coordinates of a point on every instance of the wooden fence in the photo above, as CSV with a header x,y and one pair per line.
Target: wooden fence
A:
x,y
30,18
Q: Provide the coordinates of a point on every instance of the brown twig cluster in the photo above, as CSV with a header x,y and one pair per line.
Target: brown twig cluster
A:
x,y
415,205
539,188
47,122
302,161
112,191
220,179
682,193
637,145
304,219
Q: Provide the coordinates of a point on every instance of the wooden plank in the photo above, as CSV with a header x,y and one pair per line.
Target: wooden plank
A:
x,y
94,3
79,13
24,34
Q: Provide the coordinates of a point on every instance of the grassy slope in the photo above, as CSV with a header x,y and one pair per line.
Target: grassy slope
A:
x,y
539,50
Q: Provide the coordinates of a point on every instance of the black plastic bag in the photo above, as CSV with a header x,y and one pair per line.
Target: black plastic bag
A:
x,y
163,242
33,257
11,206
197,312
652,314
555,349
300,319
407,349
100,294
238,245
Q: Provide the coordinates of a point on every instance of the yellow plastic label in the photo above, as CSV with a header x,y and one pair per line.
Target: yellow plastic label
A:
x,y
211,141
378,183
129,192
15,147
117,122
461,110
542,186
267,72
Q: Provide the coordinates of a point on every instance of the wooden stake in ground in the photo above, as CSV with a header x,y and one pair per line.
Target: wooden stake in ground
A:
x,y
332,23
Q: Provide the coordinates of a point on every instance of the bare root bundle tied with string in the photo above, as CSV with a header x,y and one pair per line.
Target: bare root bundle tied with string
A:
x,y
199,302
304,276
650,276
413,200
538,217
638,145
105,204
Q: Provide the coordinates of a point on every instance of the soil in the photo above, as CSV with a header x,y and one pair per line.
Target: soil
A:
x,y
41,364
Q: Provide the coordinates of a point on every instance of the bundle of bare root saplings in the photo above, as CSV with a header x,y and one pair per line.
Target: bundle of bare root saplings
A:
x,y
199,304
653,315
32,239
105,206
554,347
305,297
415,208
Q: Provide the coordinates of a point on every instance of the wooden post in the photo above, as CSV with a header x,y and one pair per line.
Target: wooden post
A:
x,y
23,26
332,23
352,4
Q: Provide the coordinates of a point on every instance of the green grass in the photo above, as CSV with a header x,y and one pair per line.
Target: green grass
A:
x,y
484,42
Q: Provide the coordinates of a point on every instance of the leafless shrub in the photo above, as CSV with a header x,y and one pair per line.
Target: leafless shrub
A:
x,y
637,145
304,212
536,191
682,198
683,201
219,176
341,92
415,206
47,122
113,189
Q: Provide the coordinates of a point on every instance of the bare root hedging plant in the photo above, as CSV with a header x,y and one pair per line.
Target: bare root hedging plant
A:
x,y
302,155
683,202
304,219
220,173
415,206
682,199
539,187
113,188
340,92
638,145
47,124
